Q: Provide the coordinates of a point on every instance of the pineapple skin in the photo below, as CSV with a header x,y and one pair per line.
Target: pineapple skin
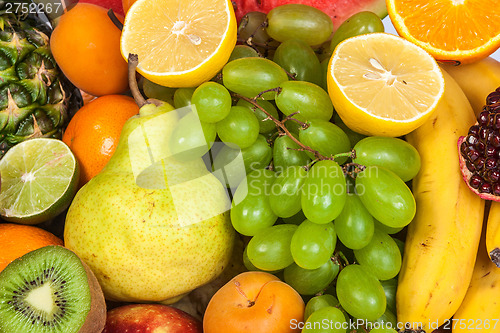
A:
x,y
36,100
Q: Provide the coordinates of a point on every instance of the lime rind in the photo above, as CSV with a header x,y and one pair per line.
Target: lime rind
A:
x,y
39,180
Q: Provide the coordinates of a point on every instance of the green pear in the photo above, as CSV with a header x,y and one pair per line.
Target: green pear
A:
x,y
152,228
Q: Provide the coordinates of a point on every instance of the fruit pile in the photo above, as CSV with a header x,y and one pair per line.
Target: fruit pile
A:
x,y
217,166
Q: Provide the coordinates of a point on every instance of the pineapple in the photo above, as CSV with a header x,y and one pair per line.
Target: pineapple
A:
x,y
33,102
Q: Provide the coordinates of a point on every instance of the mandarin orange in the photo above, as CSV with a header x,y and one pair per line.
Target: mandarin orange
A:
x,y
18,239
94,131
86,46
457,31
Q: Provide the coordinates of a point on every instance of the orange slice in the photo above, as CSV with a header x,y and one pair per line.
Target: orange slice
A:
x,y
180,43
461,31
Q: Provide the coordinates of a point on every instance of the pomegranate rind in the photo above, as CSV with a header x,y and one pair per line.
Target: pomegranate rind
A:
x,y
466,175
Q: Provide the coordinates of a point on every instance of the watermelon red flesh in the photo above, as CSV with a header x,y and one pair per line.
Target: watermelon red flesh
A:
x,y
338,10
116,5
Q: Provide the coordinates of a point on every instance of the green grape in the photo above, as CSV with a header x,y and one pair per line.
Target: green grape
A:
x,y
299,22
324,192
191,138
401,245
286,153
318,302
360,293
385,321
345,251
257,156
386,228
386,196
154,90
326,138
381,256
313,244
310,281
269,248
249,266
182,97
354,225
309,99
354,137
242,51
265,125
324,73
212,101
299,59
392,153
285,192
250,211
251,29
295,219
390,287
239,129
358,24
294,127
328,319
251,76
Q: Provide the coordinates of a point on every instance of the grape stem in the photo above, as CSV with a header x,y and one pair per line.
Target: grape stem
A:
x,y
281,125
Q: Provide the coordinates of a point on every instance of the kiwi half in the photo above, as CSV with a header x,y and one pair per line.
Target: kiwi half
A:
x,y
50,290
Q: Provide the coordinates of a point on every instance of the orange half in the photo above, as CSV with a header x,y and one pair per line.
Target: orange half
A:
x,y
461,31
180,43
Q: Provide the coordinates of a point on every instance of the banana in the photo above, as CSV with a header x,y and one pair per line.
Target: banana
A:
x,y
493,233
477,80
480,309
442,240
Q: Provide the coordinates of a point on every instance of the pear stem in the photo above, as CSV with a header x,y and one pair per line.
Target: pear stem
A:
x,y
133,61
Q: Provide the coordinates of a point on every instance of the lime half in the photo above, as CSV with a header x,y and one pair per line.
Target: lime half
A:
x,y
39,180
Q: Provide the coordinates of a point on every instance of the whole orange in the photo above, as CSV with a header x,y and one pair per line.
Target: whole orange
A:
x,y
19,239
86,46
254,302
94,131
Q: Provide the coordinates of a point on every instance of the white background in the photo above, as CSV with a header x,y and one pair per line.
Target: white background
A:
x,y
389,28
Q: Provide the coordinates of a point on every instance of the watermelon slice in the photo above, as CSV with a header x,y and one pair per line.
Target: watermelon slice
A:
x,y
116,5
338,10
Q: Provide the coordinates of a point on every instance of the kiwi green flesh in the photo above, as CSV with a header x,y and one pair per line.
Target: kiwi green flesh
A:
x,y
46,290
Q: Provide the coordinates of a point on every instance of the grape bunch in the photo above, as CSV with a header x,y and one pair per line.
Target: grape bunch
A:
x,y
318,203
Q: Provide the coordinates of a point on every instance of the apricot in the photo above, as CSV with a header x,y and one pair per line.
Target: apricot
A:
x,y
254,302
86,46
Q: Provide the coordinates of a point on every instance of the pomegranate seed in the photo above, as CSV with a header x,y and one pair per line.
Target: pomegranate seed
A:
x,y
475,181
490,151
472,139
490,163
495,140
494,176
479,163
483,133
485,188
474,129
470,166
483,118
473,155
493,97
496,189
480,146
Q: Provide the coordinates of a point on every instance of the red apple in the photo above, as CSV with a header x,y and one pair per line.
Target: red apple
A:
x,y
116,5
138,318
